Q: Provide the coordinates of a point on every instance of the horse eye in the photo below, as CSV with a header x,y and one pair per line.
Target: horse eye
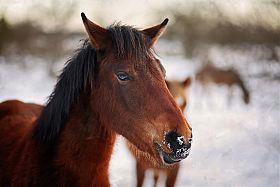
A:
x,y
123,77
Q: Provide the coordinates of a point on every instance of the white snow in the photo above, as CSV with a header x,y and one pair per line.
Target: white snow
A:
x,y
235,145
182,152
190,140
180,140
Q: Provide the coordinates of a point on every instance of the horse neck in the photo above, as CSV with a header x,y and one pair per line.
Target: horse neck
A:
x,y
86,146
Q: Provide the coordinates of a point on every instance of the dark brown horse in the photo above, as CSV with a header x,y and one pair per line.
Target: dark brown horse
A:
x,y
178,91
211,74
114,84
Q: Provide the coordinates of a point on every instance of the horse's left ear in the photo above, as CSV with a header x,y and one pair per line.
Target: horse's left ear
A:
x,y
155,31
99,37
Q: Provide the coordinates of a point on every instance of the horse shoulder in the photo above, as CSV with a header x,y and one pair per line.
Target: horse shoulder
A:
x,y
16,115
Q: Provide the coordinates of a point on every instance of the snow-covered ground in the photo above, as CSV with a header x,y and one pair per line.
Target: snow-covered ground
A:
x,y
235,145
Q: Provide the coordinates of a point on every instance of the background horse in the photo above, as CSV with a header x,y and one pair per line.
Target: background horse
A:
x,y
114,84
211,74
178,91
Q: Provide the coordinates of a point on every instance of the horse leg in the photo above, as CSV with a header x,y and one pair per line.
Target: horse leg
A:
x,y
172,175
230,90
140,174
156,176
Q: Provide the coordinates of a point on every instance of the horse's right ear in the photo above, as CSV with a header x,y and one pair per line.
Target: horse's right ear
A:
x,y
187,82
99,37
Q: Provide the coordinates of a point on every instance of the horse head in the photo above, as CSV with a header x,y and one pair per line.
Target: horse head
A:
x,y
132,97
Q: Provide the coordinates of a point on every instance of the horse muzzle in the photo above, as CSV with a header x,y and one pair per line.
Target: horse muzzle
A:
x,y
179,146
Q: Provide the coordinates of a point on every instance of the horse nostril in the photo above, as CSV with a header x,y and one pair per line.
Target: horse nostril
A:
x,y
174,140
177,144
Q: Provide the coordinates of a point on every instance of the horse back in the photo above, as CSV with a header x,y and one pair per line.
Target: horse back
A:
x,y
16,116
16,119
15,107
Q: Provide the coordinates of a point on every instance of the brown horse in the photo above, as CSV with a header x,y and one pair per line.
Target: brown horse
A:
x,y
211,74
114,84
178,91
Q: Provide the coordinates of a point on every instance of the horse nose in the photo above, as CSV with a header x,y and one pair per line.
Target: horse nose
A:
x,y
178,144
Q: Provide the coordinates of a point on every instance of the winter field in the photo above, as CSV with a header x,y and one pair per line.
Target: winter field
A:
x,y
233,145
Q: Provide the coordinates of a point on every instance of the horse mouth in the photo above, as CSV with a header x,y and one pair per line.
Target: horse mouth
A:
x,y
170,158
167,158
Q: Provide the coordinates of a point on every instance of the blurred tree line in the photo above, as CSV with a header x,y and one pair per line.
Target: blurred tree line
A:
x,y
198,25
21,40
41,37
207,24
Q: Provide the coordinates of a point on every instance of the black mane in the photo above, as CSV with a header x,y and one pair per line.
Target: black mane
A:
x,y
127,41
67,89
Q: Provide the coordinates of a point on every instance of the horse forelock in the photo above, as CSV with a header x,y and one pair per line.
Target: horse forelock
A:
x,y
129,42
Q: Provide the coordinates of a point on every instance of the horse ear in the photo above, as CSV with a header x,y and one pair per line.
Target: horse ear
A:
x,y
155,31
187,82
99,37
